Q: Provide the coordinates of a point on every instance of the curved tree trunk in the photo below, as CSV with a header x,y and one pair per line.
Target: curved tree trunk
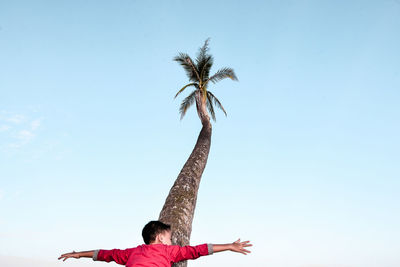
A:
x,y
178,210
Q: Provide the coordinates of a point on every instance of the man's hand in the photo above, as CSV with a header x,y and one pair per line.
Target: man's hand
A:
x,y
238,246
77,255
72,254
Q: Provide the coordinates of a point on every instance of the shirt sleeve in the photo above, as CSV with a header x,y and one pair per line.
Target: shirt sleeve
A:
x,y
178,253
117,255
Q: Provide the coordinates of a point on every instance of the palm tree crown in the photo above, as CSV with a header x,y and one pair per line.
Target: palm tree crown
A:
x,y
199,76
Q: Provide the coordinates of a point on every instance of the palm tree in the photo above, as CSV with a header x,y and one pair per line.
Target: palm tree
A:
x,y
199,75
180,204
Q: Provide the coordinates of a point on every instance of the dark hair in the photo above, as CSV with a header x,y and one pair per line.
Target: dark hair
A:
x,y
152,229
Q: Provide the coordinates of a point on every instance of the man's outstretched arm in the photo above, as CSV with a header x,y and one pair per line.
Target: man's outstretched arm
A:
x,y
117,255
77,255
193,252
236,246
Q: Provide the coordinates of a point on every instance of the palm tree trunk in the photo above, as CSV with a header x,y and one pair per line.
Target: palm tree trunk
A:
x,y
178,210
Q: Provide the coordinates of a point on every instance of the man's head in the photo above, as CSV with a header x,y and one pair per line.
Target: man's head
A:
x,y
156,232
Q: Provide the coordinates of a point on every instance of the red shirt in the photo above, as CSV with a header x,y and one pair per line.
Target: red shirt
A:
x,y
157,255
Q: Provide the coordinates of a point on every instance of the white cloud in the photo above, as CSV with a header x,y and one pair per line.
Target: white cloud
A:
x,y
14,145
17,119
4,128
35,124
25,135
17,129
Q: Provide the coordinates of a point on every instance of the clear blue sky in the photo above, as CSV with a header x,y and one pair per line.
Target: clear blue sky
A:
x,y
305,165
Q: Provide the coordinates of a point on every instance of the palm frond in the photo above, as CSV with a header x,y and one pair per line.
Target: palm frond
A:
x,y
205,67
204,61
216,102
222,74
190,62
210,107
186,62
187,85
203,51
187,102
